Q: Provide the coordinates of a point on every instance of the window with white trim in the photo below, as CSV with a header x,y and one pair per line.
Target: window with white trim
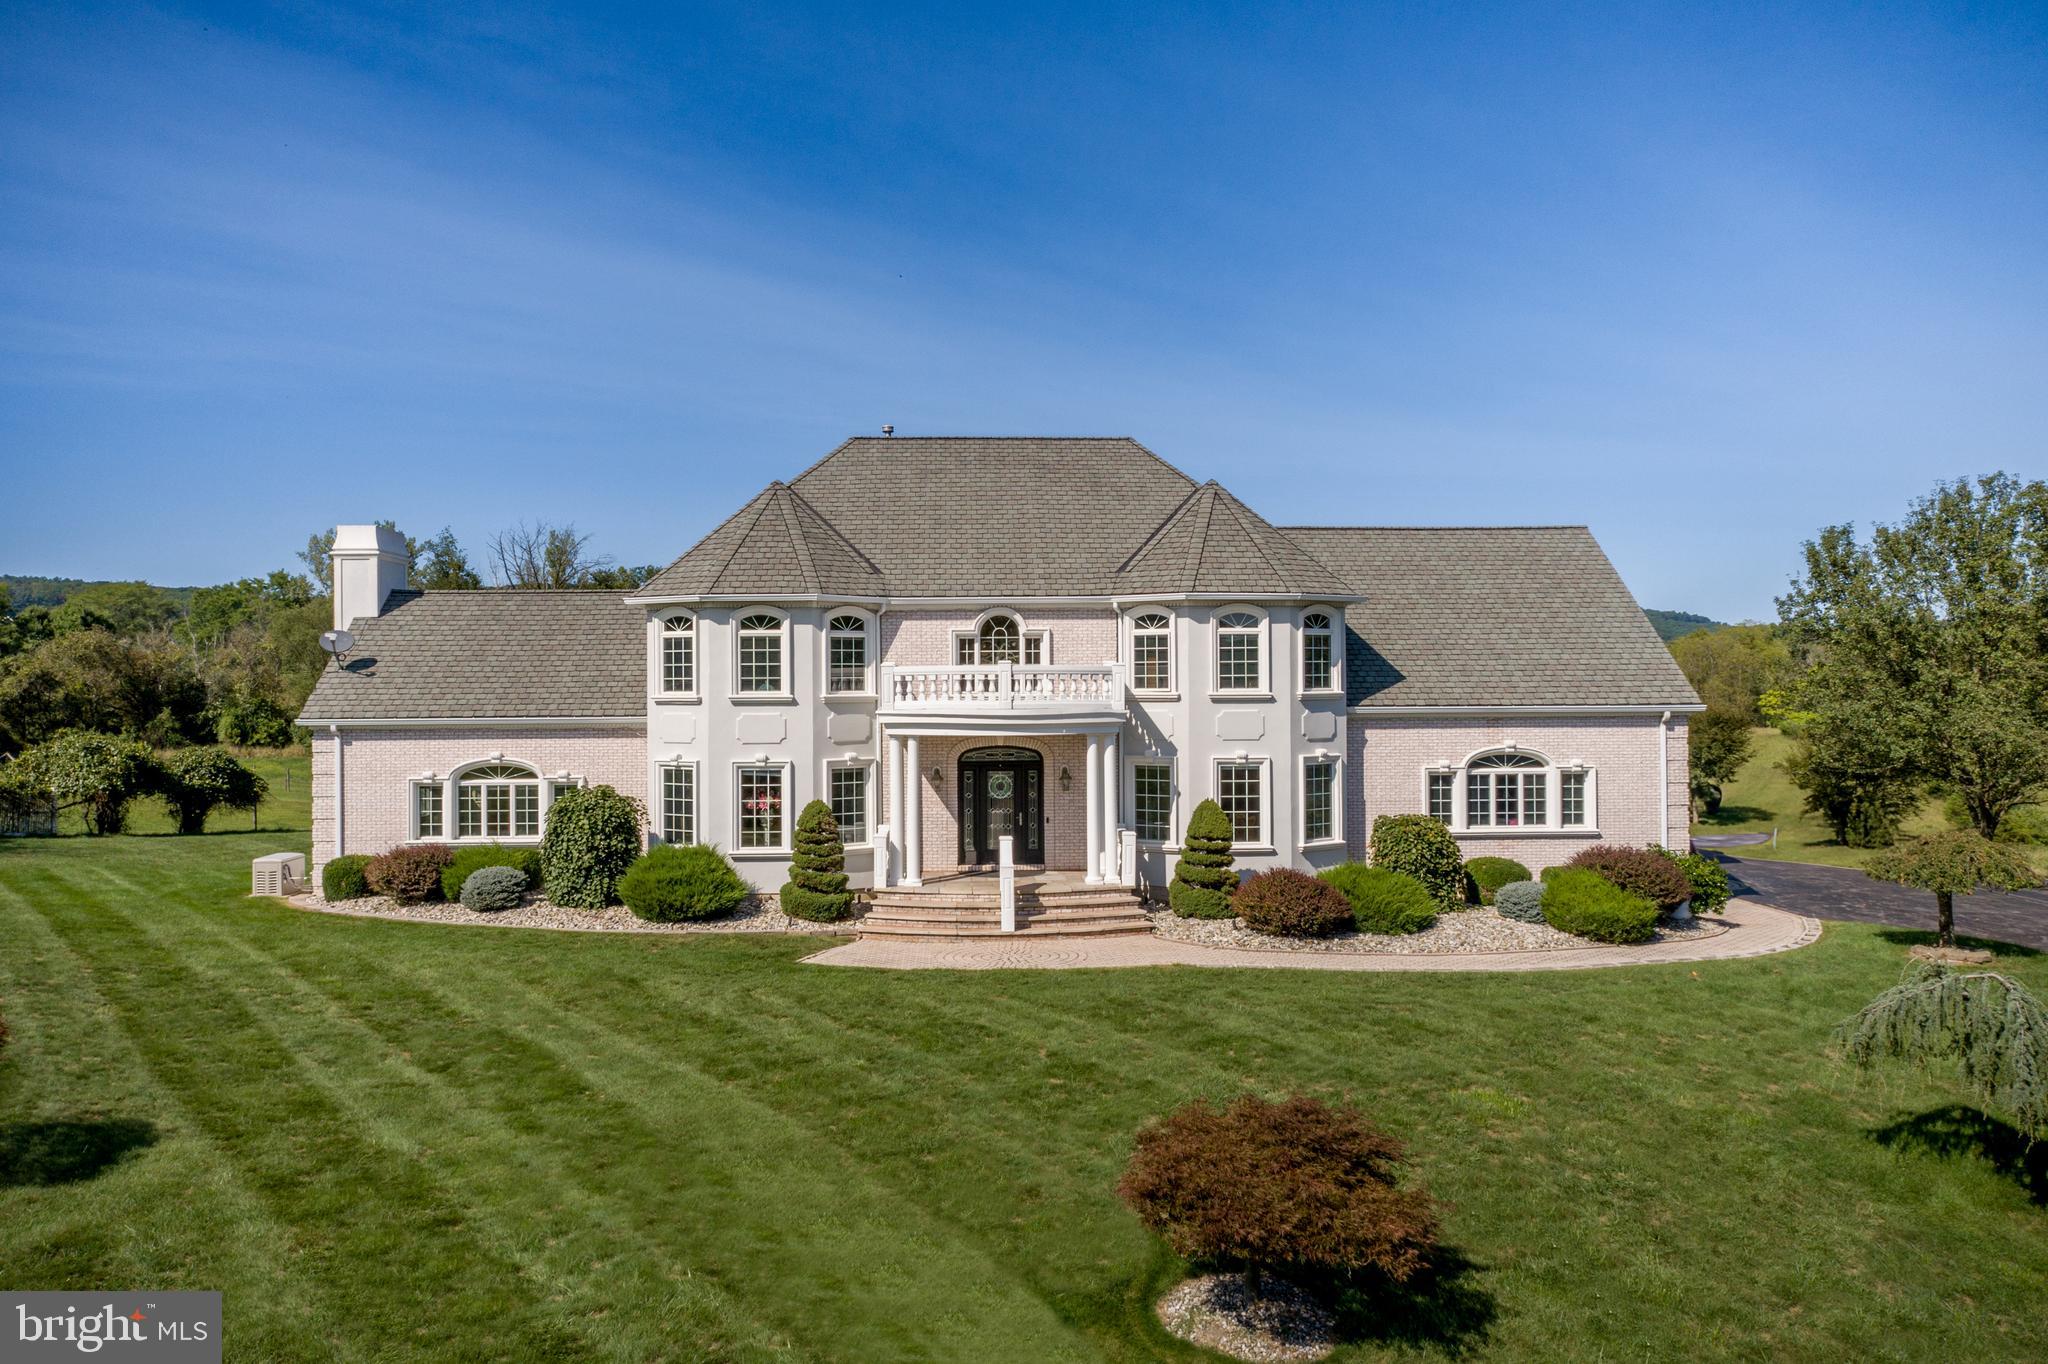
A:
x,y
1571,799
498,800
846,654
1152,801
679,804
1505,791
1152,652
1241,791
1443,796
1319,800
679,654
426,810
1318,652
847,793
760,806
760,653
1000,639
1239,658
1511,789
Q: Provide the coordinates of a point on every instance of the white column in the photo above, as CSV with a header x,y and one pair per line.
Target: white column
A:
x,y
892,758
913,815
1110,800
1094,775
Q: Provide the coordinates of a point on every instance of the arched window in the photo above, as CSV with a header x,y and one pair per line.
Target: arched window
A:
x,y
760,653
1318,652
1000,638
679,654
1240,662
497,800
1152,652
846,654
1512,789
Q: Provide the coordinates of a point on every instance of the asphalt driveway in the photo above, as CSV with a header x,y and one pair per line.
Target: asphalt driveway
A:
x,y
1843,893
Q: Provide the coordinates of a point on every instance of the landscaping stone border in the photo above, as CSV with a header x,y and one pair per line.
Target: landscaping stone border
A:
x,y
759,915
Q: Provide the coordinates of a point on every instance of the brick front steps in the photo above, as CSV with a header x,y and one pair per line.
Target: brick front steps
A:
x,y
968,908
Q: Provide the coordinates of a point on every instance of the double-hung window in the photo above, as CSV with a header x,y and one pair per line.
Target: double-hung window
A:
x,y
1319,800
1443,796
1152,652
761,799
679,654
1318,652
760,653
846,654
1152,801
1239,666
1241,791
679,804
426,810
847,789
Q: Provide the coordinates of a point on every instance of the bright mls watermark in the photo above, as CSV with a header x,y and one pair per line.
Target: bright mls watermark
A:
x,y
167,1328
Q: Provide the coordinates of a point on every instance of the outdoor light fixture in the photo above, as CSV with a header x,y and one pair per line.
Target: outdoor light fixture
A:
x,y
1066,780
938,775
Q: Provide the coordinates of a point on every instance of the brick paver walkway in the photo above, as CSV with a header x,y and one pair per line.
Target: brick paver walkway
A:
x,y
1757,929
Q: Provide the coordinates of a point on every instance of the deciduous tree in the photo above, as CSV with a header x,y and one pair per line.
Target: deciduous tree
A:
x,y
1953,863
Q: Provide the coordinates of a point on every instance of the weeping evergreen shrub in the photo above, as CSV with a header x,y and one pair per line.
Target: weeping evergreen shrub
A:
x,y
1991,1027
816,889
593,835
1587,905
1382,901
1205,878
671,884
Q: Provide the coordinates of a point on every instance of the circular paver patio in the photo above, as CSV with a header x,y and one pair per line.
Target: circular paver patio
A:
x,y
1755,930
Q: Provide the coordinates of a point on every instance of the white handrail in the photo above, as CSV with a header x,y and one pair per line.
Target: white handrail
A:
x,y
1001,686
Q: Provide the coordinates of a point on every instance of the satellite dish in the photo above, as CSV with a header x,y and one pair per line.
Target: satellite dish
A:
x,y
337,642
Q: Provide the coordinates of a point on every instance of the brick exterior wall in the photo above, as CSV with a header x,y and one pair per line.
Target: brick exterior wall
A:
x,y
1392,754
1066,812
925,638
379,767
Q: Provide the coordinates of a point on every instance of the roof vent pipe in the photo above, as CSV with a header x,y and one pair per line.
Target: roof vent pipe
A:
x,y
888,429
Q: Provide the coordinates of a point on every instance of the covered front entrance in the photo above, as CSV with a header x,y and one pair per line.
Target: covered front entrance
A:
x,y
1002,791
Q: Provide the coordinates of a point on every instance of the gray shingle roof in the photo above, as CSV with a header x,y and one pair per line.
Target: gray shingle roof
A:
x,y
1215,543
469,655
778,543
1483,616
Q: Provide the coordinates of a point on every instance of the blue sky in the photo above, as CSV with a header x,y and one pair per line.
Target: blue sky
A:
x,y
1703,277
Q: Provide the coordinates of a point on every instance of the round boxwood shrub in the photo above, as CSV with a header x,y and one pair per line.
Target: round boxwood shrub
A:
x,y
1708,879
1205,877
1422,848
671,884
1298,1184
1292,904
1638,871
816,889
1485,875
468,861
1587,905
343,879
1521,901
493,887
593,835
409,874
1383,901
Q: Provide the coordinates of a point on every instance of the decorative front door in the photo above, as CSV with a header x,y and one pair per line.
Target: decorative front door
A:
x,y
1001,792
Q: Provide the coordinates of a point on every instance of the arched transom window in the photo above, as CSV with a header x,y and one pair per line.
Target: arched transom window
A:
x,y
679,653
498,800
1239,666
760,652
1318,652
1000,639
1512,790
1152,652
846,666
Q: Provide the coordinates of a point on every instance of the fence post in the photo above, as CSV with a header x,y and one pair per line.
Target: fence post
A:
x,y
1006,880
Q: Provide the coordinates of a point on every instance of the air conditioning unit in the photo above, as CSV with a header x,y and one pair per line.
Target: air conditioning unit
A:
x,y
278,874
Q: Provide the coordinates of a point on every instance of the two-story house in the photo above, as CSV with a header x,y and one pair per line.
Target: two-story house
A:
x,y
1067,641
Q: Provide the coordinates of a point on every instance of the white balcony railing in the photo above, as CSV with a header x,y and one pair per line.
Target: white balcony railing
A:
x,y
1002,686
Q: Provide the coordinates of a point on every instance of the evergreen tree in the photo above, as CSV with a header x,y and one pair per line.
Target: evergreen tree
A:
x,y
816,889
1952,864
1206,876
1986,1023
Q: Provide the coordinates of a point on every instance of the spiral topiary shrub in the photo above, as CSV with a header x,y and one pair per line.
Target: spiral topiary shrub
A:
x,y
493,888
1205,877
593,836
1485,875
1587,905
672,884
410,874
1521,901
1639,871
1423,848
343,878
1292,904
1382,901
816,889
469,861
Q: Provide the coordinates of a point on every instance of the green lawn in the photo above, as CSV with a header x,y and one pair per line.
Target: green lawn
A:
x,y
1762,798
386,1140
287,807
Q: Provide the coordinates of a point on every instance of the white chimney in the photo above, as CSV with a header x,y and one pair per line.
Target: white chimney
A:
x,y
369,564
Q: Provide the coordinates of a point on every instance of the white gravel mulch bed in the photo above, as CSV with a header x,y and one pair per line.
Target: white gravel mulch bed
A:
x,y
1468,930
756,916
1219,1312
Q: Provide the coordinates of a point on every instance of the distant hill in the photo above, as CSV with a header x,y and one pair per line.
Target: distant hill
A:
x,y
28,591
1671,624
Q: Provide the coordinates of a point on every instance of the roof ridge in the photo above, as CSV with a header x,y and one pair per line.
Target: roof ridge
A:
x,y
764,497
806,504
1179,510
1234,506
1198,548
799,543
1539,525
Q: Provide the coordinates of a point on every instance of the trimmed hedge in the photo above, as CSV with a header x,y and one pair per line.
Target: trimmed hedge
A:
x,y
1205,877
469,861
1292,904
1651,875
1485,875
1708,879
1521,901
816,889
1587,905
343,879
1383,901
670,884
409,874
1423,848
493,887
593,835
